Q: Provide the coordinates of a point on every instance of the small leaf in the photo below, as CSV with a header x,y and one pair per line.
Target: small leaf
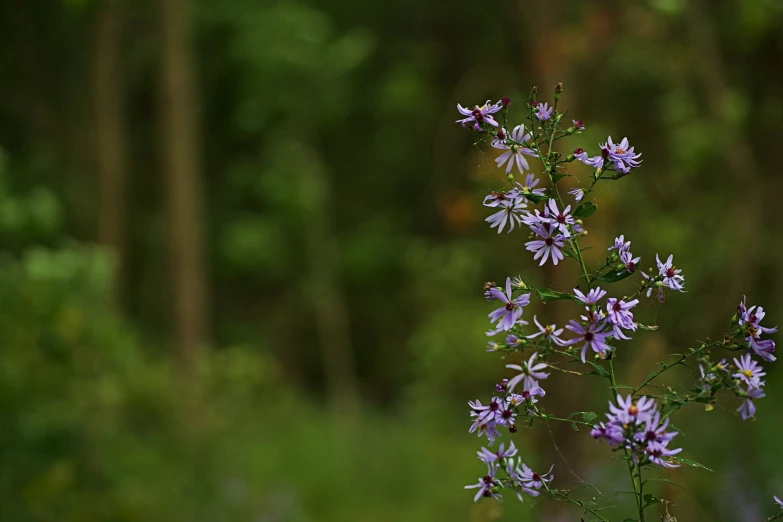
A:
x,y
585,210
535,198
662,479
560,175
651,375
689,462
613,277
622,387
589,416
598,368
573,425
547,295
650,328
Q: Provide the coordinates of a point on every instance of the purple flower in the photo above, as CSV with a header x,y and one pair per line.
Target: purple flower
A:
x,y
592,297
550,243
627,411
478,114
620,244
629,261
513,340
489,457
654,430
492,346
530,372
591,336
747,409
559,219
512,309
578,125
620,316
622,155
762,347
550,332
544,111
514,153
578,194
612,433
780,502
529,187
485,427
596,162
485,412
510,213
671,277
749,371
533,480
515,399
486,483
493,199
656,452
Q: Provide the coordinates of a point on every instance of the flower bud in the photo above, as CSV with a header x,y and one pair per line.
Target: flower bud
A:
x,y
533,94
505,101
558,90
735,319
569,158
510,178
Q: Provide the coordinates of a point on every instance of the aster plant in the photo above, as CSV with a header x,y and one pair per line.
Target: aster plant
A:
x,y
638,425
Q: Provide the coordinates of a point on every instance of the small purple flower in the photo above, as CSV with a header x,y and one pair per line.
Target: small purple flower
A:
x,y
559,219
489,457
591,336
578,194
612,433
621,245
550,332
627,411
529,187
655,431
596,162
753,316
515,399
533,480
486,483
629,261
514,153
478,114
671,277
544,111
495,198
656,452
531,373
622,155
510,213
513,340
512,309
551,243
492,346
578,125
777,499
620,316
485,427
749,371
592,297
762,347
485,412
747,409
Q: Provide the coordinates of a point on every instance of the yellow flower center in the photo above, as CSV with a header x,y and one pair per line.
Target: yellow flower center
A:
x,y
633,410
747,373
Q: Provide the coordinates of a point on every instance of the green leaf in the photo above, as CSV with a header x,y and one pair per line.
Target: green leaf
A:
x,y
630,520
560,175
585,210
535,198
589,416
689,462
650,499
662,479
647,328
573,425
598,368
614,276
547,295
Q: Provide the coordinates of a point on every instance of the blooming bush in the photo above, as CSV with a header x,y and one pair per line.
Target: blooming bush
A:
x,y
637,425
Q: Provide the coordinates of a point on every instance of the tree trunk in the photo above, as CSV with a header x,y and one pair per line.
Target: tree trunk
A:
x,y
180,140
110,137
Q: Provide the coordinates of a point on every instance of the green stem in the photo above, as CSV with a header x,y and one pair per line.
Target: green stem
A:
x,y
675,363
577,503
631,466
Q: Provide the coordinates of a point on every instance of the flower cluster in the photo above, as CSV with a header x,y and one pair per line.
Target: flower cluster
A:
x,y
637,427
518,476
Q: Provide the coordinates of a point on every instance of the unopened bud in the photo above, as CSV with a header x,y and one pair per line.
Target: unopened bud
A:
x,y
569,158
735,319
558,90
505,101
511,178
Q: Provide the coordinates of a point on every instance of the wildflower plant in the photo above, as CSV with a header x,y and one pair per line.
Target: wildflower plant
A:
x,y
638,426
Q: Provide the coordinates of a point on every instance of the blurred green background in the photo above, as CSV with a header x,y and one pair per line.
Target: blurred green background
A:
x,y
243,248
